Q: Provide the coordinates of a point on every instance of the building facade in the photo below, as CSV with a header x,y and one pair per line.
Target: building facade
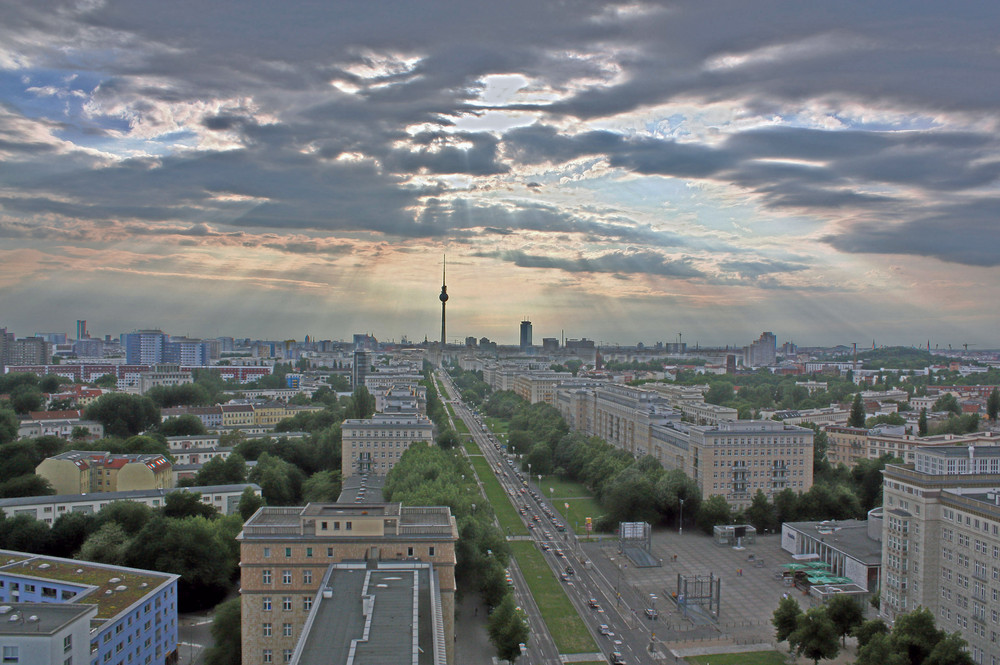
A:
x,y
82,471
374,445
285,553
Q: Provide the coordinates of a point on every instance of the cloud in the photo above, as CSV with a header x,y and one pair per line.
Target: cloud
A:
x,y
622,263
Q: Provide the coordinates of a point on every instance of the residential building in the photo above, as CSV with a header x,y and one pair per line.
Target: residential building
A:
x,y
941,543
237,415
81,471
285,557
64,429
374,445
29,351
46,632
762,352
48,508
539,386
131,613
144,347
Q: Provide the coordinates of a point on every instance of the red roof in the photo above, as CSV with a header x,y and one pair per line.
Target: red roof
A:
x,y
67,414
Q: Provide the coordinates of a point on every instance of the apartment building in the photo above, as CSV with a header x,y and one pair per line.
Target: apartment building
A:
x,y
130,615
286,554
374,445
81,471
539,386
941,542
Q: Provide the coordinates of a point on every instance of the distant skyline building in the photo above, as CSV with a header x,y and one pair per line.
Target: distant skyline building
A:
x,y
81,329
762,352
525,335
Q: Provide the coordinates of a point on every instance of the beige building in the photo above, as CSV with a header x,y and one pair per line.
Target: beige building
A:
x,y
285,553
374,445
81,471
941,543
535,387
237,415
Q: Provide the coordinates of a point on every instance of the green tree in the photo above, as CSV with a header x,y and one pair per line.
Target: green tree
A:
x,y
321,486
69,532
507,628
761,514
129,515
187,394
186,504
786,618
26,399
106,381
339,383
949,403
250,502
26,485
993,404
124,415
867,631
108,544
714,510
280,482
857,416
362,404
815,636
846,614
447,439
9,424
218,471
186,425
922,423
226,635
951,650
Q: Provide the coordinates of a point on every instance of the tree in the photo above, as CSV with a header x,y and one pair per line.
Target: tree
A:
x,y
362,404
508,629
815,636
226,635
26,399
846,615
69,532
868,630
129,515
857,417
922,423
949,403
9,424
26,485
218,471
951,650
280,482
447,439
186,425
321,486
786,618
108,544
124,415
187,504
250,502
106,381
993,404
761,514
715,510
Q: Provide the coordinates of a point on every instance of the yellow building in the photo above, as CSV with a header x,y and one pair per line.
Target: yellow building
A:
x,y
237,415
82,471
270,413
285,553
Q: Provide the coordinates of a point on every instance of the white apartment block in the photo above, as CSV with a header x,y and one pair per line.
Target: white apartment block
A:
x,y
941,543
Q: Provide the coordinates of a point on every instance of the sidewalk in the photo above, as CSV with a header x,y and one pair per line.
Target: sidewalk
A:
x,y
472,643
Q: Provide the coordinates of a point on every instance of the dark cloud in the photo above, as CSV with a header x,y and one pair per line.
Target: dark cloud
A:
x,y
650,263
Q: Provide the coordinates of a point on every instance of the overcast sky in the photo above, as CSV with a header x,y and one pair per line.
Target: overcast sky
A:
x,y
623,172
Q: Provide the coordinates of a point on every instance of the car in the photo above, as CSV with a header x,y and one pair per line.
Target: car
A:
x,y
564,577
569,570
604,630
651,613
545,547
592,603
617,658
559,553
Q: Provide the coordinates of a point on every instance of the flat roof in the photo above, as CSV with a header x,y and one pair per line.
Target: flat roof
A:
x,y
372,484
121,496
374,616
847,536
46,618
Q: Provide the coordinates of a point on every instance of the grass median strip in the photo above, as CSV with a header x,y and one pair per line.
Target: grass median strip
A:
x,y
508,518
561,618
746,658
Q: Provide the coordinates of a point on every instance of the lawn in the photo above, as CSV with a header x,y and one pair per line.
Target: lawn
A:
x,y
564,624
563,489
579,510
460,426
470,445
747,658
504,509
498,426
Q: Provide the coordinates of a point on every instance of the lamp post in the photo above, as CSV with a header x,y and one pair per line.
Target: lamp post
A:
x,y
680,520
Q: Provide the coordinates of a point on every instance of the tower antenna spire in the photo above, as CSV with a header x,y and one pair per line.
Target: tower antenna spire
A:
x,y
444,299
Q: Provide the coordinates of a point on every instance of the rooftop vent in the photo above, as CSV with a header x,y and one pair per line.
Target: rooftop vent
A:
x,y
44,566
121,587
114,580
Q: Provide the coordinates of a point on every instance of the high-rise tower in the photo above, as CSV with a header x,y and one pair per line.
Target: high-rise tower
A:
x,y
444,299
525,335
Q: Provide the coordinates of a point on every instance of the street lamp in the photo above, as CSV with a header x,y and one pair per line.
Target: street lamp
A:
x,y
680,520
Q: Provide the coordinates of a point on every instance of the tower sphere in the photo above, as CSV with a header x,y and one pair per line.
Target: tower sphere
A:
x,y
443,296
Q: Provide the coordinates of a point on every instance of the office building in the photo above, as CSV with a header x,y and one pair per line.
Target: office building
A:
x,y
285,569
941,543
360,368
762,352
525,335
81,329
144,347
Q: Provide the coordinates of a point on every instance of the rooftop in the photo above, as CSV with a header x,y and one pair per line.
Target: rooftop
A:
x,y
47,618
847,536
112,588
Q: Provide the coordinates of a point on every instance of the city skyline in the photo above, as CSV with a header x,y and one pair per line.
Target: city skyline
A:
x,y
622,172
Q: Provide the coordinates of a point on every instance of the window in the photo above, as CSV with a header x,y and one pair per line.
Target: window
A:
x,y
286,656
267,630
329,551
267,603
309,552
307,576
265,576
11,654
268,658
267,552
286,629
288,552
286,603
347,526
430,551
286,577
307,603
67,643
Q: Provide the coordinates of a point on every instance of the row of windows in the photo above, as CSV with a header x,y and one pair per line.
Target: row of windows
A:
x,y
268,656
286,603
286,576
286,630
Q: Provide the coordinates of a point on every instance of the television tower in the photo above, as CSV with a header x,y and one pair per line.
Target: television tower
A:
x,y
444,299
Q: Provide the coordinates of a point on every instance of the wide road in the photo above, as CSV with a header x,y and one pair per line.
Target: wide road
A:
x,y
614,624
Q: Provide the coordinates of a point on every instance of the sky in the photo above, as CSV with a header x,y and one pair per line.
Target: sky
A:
x,y
623,172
